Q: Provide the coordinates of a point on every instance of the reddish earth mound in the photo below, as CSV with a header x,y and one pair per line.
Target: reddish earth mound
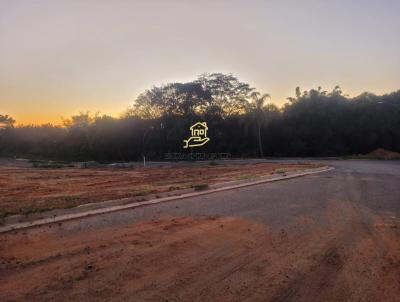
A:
x,y
381,153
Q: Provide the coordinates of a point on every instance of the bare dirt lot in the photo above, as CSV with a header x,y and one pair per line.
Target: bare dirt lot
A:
x,y
332,236
31,190
207,259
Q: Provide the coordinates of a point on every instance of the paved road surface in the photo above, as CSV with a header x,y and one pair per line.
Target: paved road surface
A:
x,y
371,184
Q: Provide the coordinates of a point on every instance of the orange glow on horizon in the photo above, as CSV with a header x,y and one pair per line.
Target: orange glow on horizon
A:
x,y
58,58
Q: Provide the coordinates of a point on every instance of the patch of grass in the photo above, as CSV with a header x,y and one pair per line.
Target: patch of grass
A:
x,y
243,177
32,210
175,188
199,187
141,193
44,164
4,214
71,197
280,171
72,201
70,206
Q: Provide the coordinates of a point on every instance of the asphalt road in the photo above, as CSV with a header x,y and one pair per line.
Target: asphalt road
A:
x,y
371,184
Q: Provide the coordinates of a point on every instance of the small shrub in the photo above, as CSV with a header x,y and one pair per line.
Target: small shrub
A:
x,y
174,188
199,187
70,206
141,193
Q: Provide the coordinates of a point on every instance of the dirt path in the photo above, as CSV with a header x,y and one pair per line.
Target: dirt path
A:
x,y
353,256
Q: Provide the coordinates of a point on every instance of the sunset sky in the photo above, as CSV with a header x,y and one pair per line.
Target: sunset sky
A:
x,y
61,57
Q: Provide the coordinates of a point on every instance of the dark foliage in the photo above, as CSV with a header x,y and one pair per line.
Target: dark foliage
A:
x,y
313,123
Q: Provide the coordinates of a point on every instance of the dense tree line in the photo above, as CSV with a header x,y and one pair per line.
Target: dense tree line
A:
x,y
241,122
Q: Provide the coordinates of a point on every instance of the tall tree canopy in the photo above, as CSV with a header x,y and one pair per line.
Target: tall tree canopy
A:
x,y
211,94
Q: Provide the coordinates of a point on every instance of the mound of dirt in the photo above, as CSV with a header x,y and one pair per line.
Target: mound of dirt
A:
x,y
381,153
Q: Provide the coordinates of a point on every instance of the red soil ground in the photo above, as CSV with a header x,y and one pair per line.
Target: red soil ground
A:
x,y
30,190
207,259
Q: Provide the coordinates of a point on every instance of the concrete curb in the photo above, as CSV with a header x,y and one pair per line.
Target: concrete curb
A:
x,y
22,225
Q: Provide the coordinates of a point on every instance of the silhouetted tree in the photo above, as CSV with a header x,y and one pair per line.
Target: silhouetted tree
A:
x,y
6,121
229,96
257,109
